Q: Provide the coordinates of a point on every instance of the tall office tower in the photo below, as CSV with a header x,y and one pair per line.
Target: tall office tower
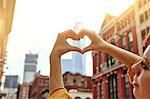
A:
x,y
30,67
78,60
66,65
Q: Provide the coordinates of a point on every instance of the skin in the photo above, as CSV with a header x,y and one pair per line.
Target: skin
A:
x,y
141,79
99,44
61,47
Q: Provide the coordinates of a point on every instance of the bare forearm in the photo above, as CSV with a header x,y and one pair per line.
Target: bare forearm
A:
x,y
56,80
124,56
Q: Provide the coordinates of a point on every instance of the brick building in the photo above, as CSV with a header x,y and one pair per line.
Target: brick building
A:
x,y
39,88
110,80
79,86
109,75
23,91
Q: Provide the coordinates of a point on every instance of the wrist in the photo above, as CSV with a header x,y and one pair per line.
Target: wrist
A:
x,y
54,55
103,45
55,52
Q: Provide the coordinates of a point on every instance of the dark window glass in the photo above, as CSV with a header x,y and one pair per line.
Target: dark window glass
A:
x,y
101,89
97,91
100,60
100,57
127,85
112,85
77,98
130,36
123,42
143,33
146,15
148,29
110,60
74,81
141,18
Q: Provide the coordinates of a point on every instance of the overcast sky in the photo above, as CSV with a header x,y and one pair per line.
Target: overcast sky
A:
x,y
36,24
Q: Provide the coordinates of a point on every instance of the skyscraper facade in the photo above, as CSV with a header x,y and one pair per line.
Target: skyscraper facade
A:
x,y
66,65
30,67
79,60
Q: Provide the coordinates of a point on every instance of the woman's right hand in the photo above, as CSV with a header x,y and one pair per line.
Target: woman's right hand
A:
x,y
97,43
61,46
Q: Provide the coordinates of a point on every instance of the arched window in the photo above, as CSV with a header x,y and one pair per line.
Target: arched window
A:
x,y
77,98
87,98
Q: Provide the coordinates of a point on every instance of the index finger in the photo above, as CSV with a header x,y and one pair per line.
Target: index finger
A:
x,y
84,32
69,33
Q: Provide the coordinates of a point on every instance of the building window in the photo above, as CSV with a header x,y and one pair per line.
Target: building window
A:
x,y
97,90
87,98
141,18
82,82
149,10
123,42
77,98
127,85
97,63
100,59
97,69
148,29
101,89
110,60
143,33
112,85
130,42
97,59
74,81
139,4
146,15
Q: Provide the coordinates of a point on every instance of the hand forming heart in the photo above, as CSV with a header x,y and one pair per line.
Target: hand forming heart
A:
x,y
61,46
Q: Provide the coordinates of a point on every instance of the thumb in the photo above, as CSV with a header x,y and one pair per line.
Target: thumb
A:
x,y
130,74
73,48
86,49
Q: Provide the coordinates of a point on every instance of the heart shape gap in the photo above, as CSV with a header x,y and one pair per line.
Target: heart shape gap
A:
x,y
82,43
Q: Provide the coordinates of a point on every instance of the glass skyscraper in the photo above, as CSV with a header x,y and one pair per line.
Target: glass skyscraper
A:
x,y
78,60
